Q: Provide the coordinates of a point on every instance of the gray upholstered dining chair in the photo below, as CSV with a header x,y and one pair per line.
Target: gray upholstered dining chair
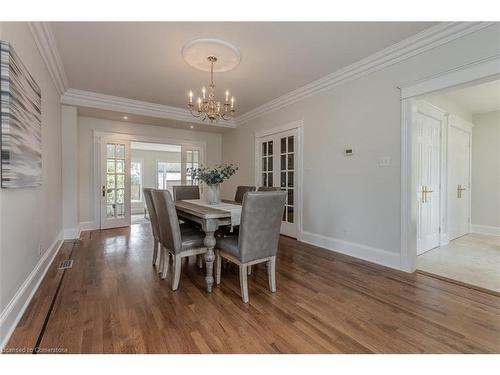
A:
x,y
154,222
173,240
257,241
240,192
268,188
182,192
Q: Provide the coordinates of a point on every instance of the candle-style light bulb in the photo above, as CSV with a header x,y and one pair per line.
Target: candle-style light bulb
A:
x,y
190,97
227,96
199,104
232,102
203,91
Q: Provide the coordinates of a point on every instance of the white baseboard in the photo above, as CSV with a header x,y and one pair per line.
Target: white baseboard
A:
x,y
71,233
444,239
485,229
88,225
13,312
368,253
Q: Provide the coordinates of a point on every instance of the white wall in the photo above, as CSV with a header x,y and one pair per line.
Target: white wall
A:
x,y
486,170
86,127
30,219
349,203
149,178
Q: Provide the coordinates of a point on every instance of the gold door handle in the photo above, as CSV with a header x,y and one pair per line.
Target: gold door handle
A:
x,y
425,191
459,191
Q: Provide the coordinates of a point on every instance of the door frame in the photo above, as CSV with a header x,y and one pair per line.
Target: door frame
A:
x,y
98,136
475,72
298,125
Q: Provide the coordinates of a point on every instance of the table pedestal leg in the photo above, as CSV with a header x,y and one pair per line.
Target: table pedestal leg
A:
x,y
209,258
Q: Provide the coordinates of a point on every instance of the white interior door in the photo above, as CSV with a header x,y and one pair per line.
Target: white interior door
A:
x,y
278,167
458,182
428,180
115,183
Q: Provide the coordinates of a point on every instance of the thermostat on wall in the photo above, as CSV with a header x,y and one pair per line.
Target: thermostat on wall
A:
x,y
348,152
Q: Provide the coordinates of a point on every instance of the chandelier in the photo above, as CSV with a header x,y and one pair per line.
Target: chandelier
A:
x,y
208,107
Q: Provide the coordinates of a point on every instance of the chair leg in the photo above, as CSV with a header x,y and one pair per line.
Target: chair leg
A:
x,y
177,271
199,261
271,273
218,266
162,259
166,263
244,283
155,251
249,270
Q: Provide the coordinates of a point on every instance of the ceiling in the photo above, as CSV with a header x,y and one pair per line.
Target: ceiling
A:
x,y
477,99
142,60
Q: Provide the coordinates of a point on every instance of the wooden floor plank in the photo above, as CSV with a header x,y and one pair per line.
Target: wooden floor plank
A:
x,y
112,301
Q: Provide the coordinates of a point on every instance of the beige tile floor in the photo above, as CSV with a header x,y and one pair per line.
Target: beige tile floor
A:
x,y
472,259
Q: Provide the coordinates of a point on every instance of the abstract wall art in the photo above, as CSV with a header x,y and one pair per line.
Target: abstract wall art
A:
x,y
21,121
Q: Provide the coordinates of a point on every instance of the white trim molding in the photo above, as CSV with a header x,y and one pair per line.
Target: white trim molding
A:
x,y
485,229
90,99
46,43
13,312
430,38
371,254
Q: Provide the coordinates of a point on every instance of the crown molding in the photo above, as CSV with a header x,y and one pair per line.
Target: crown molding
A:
x,y
409,47
46,43
90,99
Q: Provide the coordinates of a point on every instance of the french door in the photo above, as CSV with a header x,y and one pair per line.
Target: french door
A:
x,y
115,183
277,167
458,182
429,126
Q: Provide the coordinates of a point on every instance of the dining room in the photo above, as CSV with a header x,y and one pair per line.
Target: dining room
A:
x,y
176,187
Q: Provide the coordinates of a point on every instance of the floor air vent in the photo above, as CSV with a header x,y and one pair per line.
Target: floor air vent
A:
x,y
68,263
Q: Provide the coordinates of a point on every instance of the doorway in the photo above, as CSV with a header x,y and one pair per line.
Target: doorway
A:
x,y
127,164
278,156
457,161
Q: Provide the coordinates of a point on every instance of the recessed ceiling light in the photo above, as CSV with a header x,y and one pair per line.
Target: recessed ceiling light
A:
x,y
191,126
125,117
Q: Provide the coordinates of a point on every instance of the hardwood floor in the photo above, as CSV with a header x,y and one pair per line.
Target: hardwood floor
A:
x,y
112,301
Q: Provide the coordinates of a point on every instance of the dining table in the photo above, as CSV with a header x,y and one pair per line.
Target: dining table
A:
x,y
210,217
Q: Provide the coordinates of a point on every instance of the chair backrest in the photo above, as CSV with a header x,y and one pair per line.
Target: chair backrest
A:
x,y
152,212
260,225
240,192
168,223
183,192
268,188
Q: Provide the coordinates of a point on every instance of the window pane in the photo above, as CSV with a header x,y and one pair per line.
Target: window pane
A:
x,y
270,163
283,179
283,145
290,197
269,179
189,156
120,196
110,197
196,156
120,181
290,144
290,179
110,166
110,211
110,181
270,147
120,152
283,162
160,181
290,214
264,179
110,150
120,166
264,164
264,149
120,210
290,161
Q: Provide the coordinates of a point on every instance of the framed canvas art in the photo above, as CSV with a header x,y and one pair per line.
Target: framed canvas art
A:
x,y
21,121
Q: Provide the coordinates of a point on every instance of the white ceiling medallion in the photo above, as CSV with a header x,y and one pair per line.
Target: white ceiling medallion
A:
x,y
196,51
